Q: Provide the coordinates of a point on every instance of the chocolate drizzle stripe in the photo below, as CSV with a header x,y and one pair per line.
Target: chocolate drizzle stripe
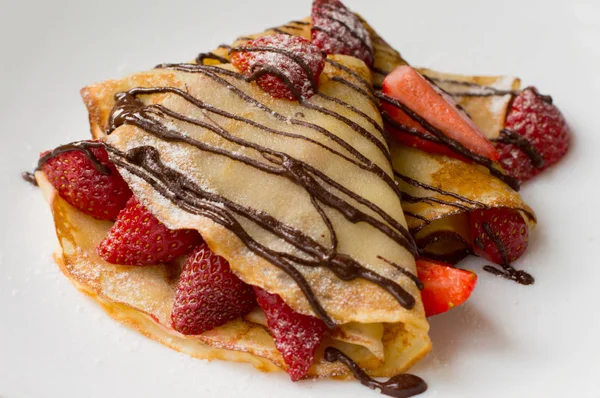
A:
x,y
81,146
417,216
431,200
202,56
415,183
404,271
280,31
303,23
362,161
292,27
29,177
488,91
349,71
510,137
399,386
356,88
368,118
451,143
379,71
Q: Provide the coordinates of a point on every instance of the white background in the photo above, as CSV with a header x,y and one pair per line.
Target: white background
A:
x,y
508,341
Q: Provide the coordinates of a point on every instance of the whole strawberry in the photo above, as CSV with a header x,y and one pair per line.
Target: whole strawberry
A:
x,y
285,66
499,235
297,336
336,30
91,183
536,136
208,294
138,238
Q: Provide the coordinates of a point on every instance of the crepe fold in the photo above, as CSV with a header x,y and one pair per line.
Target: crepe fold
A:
x,y
438,192
280,189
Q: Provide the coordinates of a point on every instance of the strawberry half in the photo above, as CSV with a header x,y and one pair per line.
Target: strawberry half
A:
x,y
536,135
499,235
208,294
93,186
406,86
138,238
444,286
297,336
336,30
285,66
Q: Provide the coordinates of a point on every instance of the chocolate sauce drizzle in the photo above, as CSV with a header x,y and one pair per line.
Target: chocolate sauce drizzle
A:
x,y
510,137
29,177
145,163
81,146
481,90
507,271
399,386
446,141
202,56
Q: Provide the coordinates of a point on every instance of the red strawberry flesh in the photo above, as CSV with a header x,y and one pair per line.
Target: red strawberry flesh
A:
x,y
208,294
409,88
444,286
281,61
139,238
297,336
336,30
534,123
78,180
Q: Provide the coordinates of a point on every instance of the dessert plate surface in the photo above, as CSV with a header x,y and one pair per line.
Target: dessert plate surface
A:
x,y
507,341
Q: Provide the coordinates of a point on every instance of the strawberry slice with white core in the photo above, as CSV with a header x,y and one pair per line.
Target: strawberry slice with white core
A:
x,y
437,108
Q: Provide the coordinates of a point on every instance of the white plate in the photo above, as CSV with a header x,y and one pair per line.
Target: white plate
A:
x,y
508,341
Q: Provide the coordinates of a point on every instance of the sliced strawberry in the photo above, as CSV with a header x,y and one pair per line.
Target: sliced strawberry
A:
x,y
297,336
336,30
536,135
89,182
499,235
138,238
445,286
208,294
409,88
281,61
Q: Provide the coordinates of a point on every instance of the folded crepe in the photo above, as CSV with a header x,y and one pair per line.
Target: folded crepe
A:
x,y
298,197
437,191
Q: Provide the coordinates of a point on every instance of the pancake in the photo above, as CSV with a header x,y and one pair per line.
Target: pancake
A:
x,y
223,139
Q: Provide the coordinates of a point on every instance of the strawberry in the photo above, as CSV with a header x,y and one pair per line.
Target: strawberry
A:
x,y
406,87
285,66
532,123
444,286
138,238
336,30
91,184
297,336
208,294
499,235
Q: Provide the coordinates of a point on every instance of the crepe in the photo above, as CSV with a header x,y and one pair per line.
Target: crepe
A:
x,y
206,111
438,221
